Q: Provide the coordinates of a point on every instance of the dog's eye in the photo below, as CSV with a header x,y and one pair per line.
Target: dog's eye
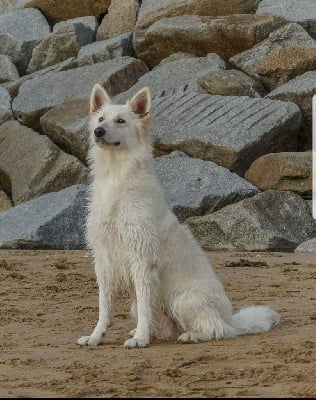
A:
x,y
120,121
101,119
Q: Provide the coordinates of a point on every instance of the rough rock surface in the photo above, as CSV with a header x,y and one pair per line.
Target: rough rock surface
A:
x,y
38,95
13,87
231,83
20,32
307,247
121,18
270,220
31,165
5,202
300,91
5,106
301,11
283,171
153,10
195,187
60,10
180,74
103,50
65,42
287,53
8,71
232,131
53,221
67,126
225,36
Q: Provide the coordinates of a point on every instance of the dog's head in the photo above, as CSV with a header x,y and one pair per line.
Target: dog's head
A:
x,y
118,127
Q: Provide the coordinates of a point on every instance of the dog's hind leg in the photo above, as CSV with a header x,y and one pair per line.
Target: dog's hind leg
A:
x,y
106,294
164,327
200,320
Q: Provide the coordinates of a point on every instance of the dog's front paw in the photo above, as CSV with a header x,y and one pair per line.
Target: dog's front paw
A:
x,y
134,342
89,340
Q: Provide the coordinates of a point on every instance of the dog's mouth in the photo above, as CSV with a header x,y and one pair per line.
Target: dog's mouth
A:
x,y
102,141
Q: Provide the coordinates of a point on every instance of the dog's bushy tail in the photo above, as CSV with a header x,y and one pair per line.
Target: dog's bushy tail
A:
x,y
254,319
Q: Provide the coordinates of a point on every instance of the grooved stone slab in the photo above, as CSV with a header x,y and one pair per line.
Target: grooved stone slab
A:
x,y
195,187
153,10
20,32
232,131
31,165
200,35
268,221
38,95
302,12
53,221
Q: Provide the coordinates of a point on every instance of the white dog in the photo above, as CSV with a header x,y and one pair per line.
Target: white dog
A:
x,y
137,242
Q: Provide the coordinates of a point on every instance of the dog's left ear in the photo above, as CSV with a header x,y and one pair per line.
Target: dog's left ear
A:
x,y
140,104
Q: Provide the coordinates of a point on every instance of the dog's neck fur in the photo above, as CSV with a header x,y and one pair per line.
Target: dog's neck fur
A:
x,y
116,166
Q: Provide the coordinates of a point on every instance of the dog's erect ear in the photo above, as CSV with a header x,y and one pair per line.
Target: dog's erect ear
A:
x,y
141,102
98,98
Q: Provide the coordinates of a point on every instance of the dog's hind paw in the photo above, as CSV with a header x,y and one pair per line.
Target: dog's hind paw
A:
x,y
132,343
89,340
188,337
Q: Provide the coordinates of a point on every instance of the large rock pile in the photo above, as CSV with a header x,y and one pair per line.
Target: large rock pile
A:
x,y
232,84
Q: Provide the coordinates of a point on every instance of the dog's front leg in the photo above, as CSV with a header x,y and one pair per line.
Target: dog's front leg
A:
x,y
106,298
143,287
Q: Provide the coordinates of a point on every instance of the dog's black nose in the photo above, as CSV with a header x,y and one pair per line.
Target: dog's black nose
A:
x,y
99,131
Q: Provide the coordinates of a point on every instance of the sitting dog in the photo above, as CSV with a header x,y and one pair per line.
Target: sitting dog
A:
x,y
138,243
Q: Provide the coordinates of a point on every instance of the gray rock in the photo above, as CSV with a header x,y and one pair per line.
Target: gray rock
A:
x,y
232,131
20,32
287,53
87,25
307,247
13,87
272,220
53,221
302,12
195,187
5,106
201,35
180,74
300,91
153,10
31,165
231,83
104,50
38,95
67,126
8,71
65,42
